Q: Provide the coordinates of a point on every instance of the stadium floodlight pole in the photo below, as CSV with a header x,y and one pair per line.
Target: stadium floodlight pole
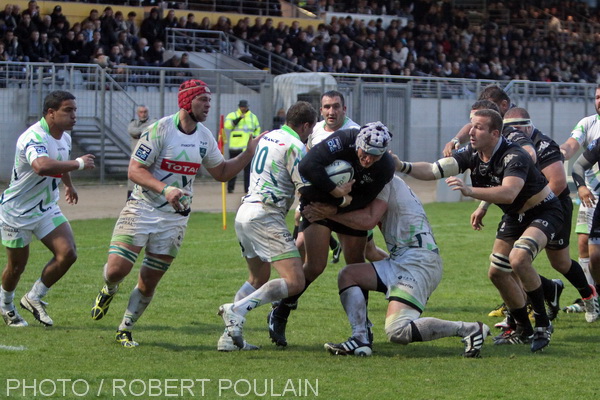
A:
x,y
221,143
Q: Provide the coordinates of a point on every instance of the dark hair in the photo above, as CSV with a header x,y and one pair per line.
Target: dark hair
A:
x,y
55,99
301,113
494,93
334,93
494,116
485,104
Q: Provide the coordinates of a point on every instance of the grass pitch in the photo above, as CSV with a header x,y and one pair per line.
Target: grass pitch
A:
x,y
177,357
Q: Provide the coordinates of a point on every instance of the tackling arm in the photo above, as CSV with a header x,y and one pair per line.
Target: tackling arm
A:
x,y
569,148
362,219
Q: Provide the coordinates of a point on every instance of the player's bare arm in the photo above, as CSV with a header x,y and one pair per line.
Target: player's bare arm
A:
x,y
230,168
45,166
461,137
569,148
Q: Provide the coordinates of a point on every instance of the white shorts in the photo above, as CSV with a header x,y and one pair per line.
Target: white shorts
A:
x,y
584,219
411,277
140,224
262,232
18,232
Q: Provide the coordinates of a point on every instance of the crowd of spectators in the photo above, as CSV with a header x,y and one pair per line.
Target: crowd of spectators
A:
x,y
524,42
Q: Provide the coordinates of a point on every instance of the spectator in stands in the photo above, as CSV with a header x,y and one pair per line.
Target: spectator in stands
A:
x,y
58,16
25,27
70,48
132,28
181,22
90,48
3,53
223,24
141,49
46,26
205,24
121,24
108,27
155,55
100,58
128,57
14,48
170,21
192,24
88,31
93,16
7,18
115,55
34,11
151,28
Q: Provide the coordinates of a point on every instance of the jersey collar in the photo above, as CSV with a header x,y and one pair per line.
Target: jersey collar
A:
x,y
290,131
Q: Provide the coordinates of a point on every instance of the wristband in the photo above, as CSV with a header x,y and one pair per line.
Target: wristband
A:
x,y
484,205
455,140
344,204
163,190
405,167
81,163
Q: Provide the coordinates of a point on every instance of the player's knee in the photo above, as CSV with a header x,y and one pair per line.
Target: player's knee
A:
x,y
67,257
530,249
499,263
399,326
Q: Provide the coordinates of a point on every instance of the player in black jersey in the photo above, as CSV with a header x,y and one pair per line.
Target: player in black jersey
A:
x,y
504,174
366,150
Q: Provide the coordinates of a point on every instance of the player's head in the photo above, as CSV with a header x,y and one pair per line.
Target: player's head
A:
x,y
486,129
372,142
301,117
59,110
333,110
188,92
482,105
518,118
497,95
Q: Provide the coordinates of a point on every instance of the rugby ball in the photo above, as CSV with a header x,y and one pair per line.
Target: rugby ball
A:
x,y
340,172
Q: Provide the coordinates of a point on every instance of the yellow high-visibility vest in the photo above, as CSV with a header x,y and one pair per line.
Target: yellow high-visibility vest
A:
x,y
240,133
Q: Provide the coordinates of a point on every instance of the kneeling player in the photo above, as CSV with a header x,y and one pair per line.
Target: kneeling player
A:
x,y
408,277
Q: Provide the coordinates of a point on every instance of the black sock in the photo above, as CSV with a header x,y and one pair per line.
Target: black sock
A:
x,y
332,242
577,278
521,317
289,303
295,233
536,297
548,288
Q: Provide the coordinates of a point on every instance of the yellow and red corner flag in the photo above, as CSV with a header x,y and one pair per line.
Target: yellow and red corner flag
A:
x,y
221,144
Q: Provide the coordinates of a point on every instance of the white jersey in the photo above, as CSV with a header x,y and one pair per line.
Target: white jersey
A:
x,y
174,157
404,225
30,195
274,171
585,132
319,133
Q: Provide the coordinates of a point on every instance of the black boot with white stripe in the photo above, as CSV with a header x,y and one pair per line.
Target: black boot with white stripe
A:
x,y
351,347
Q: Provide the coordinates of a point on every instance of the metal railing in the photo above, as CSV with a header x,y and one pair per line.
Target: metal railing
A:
x,y
219,42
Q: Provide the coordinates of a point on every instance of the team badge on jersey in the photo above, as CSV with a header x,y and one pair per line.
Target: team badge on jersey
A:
x,y
334,144
40,149
143,152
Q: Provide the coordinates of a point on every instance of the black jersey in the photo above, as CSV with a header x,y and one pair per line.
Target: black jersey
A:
x,y
547,151
340,145
509,159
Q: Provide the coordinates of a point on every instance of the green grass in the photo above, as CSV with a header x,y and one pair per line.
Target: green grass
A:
x,y
179,331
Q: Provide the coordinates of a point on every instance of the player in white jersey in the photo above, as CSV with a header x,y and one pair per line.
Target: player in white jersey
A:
x,y
408,277
163,167
585,132
260,224
29,206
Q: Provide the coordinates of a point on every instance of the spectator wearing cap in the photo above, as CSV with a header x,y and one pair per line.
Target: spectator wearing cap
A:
x,y
58,16
240,125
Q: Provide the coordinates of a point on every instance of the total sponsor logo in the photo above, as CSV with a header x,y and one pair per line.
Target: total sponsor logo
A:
x,y
180,167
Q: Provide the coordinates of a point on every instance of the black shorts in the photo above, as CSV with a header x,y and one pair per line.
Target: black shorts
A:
x,y
563,236
595,231
333,226
547,216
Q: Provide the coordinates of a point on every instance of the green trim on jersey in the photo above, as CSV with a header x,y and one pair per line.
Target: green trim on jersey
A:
x,y
290,131
45,126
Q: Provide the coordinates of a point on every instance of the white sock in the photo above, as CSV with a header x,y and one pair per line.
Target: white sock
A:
x,y
585,266
38,290
246,290
434,328
135,308
355,306
6,300
111,286
275,289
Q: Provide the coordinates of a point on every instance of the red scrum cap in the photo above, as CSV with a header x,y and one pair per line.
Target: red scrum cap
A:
x,y
188,91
